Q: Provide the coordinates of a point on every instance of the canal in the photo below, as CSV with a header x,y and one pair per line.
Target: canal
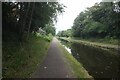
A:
x,y
98,62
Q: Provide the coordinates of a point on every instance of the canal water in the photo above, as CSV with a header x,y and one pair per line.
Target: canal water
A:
x,y
98,62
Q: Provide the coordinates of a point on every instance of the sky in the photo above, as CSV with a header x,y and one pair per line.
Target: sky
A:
x,y
74,7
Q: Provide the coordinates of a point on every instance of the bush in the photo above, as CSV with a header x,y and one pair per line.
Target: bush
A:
x,y
21,59
45,37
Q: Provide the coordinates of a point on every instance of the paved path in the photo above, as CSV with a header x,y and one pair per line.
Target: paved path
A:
x,y
53,66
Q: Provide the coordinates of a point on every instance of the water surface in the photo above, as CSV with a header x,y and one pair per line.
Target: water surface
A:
x,y
98,62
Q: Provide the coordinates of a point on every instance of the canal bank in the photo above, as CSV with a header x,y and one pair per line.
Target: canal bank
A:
x,y
77,68
98,62
93,44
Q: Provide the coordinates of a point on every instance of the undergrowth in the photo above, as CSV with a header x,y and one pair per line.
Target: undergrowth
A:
x,y
20,59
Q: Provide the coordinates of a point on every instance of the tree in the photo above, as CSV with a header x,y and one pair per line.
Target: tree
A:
x,y
50,29
65,33
20,19
99,21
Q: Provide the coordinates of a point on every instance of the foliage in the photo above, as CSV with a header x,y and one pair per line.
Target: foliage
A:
x,y
22,50
45,37
65,33
50,29
98,21
20,18
21,60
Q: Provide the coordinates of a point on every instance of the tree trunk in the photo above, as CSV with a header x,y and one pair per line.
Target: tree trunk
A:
x,y
20,22
30,20
25,17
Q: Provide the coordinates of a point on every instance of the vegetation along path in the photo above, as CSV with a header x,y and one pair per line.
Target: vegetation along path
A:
x,y
53,66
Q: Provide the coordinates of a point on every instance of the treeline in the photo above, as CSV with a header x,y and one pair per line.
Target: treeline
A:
x,y
26,34
99,21
65,33
20,19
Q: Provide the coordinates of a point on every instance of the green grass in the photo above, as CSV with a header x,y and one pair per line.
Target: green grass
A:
x,y
94,59
48,37
21,60
105,40
76,67
101,45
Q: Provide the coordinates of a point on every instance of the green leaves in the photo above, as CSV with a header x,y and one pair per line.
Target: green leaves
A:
x,y
65,33
99,20
50,29
28,17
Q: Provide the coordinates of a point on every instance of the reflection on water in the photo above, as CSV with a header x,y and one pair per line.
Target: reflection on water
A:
x,y
68,49
99,63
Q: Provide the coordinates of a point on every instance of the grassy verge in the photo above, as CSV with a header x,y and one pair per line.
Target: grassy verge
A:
x,y
94,44
76,67
21,60
100,40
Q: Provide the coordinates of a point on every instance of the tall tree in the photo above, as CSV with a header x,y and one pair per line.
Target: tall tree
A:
x,y
20,18
101,20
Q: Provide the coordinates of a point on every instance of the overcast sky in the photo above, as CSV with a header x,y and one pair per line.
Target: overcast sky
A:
x,y
74,7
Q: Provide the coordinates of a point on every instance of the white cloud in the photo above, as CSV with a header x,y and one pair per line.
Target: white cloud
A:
x,y
74,7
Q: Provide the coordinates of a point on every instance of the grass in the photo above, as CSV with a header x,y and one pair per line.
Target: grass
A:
x,y
105,40
21,60
76,67
101,45
95,59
